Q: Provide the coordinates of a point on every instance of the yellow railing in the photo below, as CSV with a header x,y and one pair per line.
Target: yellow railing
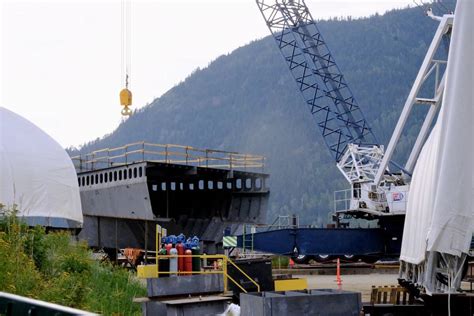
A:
x,y
167,153
225,260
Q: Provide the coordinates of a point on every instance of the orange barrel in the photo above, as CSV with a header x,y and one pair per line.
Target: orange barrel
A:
x,y
180,248
188,262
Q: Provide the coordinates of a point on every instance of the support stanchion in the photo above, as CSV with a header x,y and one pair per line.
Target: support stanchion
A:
x,y
338,274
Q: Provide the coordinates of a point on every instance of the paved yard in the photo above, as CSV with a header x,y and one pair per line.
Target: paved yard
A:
x,y
354,282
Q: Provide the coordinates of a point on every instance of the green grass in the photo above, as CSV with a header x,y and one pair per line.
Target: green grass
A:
x,y
56,268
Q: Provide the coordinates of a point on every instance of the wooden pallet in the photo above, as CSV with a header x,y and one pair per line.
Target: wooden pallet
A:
x,y
396,295
470,274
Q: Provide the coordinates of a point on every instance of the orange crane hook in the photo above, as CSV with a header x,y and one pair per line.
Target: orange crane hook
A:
x,y
126,94
126,99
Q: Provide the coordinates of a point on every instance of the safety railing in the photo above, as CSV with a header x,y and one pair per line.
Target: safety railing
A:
x,y
285,221
160,232
225,261
167,153
11,305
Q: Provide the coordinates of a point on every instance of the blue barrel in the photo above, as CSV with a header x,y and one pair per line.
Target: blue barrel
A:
x,y
181,238
172,239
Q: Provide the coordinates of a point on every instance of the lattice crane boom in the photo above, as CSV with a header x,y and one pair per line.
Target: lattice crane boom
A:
x,y
317,75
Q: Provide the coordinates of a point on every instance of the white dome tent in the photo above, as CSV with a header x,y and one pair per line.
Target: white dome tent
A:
x,y
37,177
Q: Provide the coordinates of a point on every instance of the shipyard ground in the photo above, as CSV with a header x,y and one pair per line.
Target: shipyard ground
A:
x,y
356,282
357,277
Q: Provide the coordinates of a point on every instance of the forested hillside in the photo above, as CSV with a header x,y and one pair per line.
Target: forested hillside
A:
x,y
247,101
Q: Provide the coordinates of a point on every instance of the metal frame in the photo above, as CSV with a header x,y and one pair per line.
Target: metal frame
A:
x,y
430,66
359,163
317,75
166,153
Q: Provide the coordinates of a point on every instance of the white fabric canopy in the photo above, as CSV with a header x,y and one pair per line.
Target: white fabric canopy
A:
x,y
420,204
37,175
453,208
440,212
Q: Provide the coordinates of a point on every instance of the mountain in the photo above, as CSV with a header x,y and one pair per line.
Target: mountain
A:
x,y
247,101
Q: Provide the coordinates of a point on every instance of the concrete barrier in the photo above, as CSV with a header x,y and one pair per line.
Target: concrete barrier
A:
x,y
185,285
326,302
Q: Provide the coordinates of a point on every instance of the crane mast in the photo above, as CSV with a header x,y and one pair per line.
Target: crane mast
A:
x,y
375,191
317,75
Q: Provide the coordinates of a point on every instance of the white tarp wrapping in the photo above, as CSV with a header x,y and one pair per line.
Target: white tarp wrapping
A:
x,y
420,204
37,175
440,212
451,228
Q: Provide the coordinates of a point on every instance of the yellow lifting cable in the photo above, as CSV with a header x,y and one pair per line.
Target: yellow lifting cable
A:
x,y
126,94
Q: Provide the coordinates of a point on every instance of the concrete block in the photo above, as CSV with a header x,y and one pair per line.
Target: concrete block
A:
x,y
185,285
325,302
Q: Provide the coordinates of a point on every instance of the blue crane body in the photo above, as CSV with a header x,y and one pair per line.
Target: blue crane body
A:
x,y
322,244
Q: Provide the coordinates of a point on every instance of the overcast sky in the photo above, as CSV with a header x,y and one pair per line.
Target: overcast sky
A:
x,y
61,59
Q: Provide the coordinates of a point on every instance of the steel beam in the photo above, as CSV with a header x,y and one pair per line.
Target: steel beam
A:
x,y
443,28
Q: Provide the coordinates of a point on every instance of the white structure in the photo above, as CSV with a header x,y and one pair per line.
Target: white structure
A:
x,y
37,176
440,213
375,190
